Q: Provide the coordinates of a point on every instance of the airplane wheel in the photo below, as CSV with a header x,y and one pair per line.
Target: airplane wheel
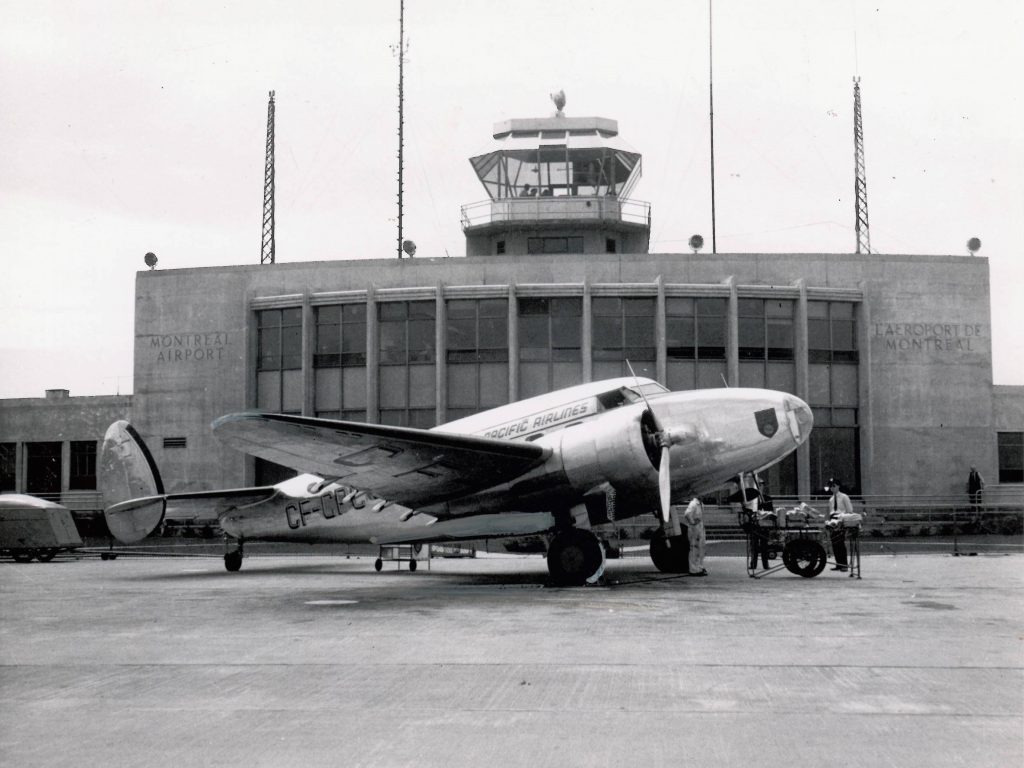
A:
x,y
412,565
45,555
674,559
233,561
378,564
22,556
804,557
573,557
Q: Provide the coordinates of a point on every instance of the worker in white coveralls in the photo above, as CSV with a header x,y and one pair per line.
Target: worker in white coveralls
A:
x,y
693,518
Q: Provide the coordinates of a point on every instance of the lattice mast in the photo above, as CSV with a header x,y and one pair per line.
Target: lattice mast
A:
x,y
267,253
860,183
401,50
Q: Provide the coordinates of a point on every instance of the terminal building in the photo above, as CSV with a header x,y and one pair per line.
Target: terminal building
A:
x,y
558,286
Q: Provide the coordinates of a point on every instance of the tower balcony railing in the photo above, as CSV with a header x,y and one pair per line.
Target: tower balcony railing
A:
x,y
556,208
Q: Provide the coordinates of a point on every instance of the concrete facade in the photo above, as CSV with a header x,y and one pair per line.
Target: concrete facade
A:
x,y
925,397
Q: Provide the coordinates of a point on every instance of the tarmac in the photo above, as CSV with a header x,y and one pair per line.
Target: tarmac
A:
x,y
320,661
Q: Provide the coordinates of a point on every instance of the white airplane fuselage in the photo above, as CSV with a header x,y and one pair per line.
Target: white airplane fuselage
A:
x,y
597,442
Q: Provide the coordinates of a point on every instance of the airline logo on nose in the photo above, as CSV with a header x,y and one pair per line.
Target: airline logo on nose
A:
x,y
767,422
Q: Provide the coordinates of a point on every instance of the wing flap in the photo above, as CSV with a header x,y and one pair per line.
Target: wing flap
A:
x,y
409,466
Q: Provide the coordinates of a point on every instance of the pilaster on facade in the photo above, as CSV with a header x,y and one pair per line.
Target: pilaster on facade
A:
x,y
865,416
308,348
732,348
372,368
513,344
587,334
660,335
801,345
440,358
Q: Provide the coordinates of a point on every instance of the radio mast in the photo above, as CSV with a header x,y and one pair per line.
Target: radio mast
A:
x,y
401,51
860,184
267,253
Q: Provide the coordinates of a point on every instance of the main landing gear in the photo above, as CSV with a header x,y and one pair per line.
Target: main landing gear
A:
x,y
232,557
575,558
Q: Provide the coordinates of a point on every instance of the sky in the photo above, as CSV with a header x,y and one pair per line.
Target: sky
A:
x,y
134,127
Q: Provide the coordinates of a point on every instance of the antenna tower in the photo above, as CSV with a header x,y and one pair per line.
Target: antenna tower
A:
x,y
267,253
401,51
860,184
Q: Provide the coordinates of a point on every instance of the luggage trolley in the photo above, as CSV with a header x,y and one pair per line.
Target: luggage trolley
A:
x,y
799,541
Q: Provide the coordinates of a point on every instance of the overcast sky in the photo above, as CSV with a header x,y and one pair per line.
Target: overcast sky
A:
x,y
132,126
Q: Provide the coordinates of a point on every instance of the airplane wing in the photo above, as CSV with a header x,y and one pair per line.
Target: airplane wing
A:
x,y
412,467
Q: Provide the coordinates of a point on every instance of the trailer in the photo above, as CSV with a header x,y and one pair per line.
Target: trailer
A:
x,y
34,528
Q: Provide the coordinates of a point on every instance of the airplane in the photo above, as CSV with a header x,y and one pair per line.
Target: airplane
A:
x,y
556,464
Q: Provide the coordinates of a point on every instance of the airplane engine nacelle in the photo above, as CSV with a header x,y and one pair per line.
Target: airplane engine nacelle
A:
x,y
617,448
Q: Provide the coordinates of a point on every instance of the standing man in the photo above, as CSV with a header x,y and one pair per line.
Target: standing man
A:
x,y
975,485
693,517
839,504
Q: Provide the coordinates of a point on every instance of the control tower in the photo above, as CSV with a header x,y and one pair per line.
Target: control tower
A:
x,y
557,185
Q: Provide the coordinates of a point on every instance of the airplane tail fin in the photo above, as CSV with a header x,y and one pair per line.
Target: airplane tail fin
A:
x,y
133,493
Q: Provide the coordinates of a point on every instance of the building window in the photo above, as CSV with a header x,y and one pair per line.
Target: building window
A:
x,y
339,362
175,442
83,465
8,466
695,333
550,339
477,355
1011,456
831,332
766,344
43,468
554,245
610,246
279,360
499,247
407,385
623,330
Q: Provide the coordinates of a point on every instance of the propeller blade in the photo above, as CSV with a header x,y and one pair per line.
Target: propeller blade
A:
x,y
665,483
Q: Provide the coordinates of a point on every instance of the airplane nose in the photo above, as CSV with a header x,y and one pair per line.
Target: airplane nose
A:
x,y
801,420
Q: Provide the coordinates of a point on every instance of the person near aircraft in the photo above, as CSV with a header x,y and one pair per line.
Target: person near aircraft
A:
x,y
746,501
693,518
838,506
975,485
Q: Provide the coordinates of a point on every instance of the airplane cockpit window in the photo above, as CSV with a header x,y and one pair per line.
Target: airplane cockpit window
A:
x,y
630,395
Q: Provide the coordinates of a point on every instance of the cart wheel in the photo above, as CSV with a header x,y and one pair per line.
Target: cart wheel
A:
x,y
378,564
412,565
46,555
22,556
804,557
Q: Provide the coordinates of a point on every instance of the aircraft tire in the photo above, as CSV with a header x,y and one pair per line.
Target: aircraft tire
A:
x,y
233,561
573,557
378,564
45,555
804,557
22,556
412,566
674,559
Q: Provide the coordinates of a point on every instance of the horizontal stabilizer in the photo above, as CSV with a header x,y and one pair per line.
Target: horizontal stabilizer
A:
x,y
133,520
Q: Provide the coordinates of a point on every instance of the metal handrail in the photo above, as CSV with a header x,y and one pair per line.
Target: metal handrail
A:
x,y
580,207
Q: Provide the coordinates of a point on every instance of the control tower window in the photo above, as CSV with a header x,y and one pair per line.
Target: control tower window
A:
x,y
499,247
610,246
554,245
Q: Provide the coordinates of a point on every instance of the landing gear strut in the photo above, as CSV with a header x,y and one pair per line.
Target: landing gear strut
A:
x,y
575,558
233,557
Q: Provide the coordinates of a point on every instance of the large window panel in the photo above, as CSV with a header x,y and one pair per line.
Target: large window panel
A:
x,y
477,355
1010,447
845,389
8,466
550,335
83,465
752,374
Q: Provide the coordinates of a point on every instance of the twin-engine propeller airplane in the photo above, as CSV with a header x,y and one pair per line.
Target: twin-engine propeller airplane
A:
x,y
554,464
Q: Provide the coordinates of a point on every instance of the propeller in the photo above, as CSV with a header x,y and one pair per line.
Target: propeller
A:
x,y
664,438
